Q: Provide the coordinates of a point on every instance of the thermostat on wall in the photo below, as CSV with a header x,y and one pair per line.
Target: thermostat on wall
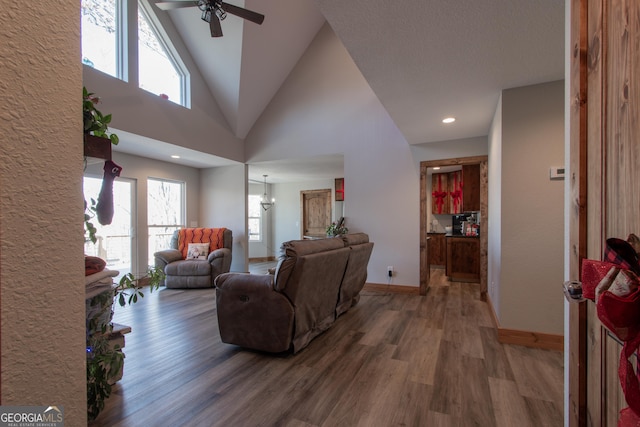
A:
x,y
556,173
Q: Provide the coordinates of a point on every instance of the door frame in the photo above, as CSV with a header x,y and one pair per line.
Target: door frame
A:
x,y
484,199
303,193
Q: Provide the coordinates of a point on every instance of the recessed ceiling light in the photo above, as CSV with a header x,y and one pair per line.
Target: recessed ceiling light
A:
x,y
436,168
175,156
449,120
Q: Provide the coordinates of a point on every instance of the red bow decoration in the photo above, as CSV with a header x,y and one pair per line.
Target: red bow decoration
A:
x,y
439,195
615,287
456,194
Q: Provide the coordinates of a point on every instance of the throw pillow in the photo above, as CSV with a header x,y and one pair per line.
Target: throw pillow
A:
x,y
198,251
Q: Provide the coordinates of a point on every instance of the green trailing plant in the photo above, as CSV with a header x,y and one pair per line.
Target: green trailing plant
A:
x,y
104,361
96,123
90,229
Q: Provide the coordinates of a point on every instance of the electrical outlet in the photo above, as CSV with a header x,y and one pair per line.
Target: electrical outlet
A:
x,y
390,271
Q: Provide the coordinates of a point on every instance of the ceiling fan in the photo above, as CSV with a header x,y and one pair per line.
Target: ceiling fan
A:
x,y
213,12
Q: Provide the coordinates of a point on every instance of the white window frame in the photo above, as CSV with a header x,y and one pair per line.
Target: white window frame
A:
x,y
260,218
169,48
183,204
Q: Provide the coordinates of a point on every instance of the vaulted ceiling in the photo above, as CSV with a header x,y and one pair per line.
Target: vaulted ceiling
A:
x,y
424,59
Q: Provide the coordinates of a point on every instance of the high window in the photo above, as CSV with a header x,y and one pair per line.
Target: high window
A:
x,y
165,212
255,218
158,69
104,47
102,23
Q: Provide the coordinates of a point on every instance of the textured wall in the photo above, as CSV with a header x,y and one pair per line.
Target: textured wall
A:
x,y
41,236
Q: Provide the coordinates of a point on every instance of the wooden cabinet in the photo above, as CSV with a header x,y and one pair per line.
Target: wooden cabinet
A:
x,y
437,249
471,193
456,192
440,193
463,258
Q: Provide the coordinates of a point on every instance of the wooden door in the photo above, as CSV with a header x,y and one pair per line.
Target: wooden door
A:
x,y
316,212
605,176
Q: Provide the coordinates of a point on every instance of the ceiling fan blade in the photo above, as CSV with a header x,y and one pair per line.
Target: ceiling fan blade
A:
x,y
175,5
214,26
243,13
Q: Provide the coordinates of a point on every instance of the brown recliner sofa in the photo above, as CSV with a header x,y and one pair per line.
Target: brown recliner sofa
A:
x,y
195,273
315,281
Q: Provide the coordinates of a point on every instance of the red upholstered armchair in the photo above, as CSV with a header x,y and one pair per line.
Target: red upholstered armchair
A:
x,y
196,257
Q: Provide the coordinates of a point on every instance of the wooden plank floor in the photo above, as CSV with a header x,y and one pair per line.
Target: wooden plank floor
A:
x,y
392,360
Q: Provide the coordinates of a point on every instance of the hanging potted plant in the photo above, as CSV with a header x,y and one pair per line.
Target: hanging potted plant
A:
x,y
97,138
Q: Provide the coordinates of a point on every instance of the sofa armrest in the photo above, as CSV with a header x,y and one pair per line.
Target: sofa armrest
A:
x,y
252,314
220,260
167,256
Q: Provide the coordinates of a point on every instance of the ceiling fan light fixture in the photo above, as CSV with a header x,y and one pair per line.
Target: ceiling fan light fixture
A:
x,y
206,15
220,13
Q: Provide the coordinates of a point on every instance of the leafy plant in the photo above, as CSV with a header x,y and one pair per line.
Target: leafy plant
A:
x,y
105,361
89,228
337,229
96,123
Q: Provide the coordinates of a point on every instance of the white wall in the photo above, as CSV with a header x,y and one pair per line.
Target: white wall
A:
x,y
140,169
41,232
223,203
326,107
532,209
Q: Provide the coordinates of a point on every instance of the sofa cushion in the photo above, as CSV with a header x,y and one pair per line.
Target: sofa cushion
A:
x,y
213,236
355,239
188,267
297,248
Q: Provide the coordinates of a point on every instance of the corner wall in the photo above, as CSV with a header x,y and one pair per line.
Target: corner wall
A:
x,y
42,286
532,209
223,203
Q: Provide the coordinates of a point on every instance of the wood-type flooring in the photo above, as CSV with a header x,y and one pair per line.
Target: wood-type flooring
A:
x,y
395,359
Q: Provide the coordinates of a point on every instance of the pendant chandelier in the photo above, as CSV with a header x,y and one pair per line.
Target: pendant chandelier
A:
x,y
264,201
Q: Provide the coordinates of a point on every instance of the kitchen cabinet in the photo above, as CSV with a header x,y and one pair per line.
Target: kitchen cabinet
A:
x,y
471,193
463,259
440,193
447,193
455,192
437,248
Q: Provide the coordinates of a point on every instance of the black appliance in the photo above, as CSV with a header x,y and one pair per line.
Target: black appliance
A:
x,y
457,223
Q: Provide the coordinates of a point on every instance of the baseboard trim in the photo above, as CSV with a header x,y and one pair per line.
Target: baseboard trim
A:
x,y
263,259
526,338
399,289
531,339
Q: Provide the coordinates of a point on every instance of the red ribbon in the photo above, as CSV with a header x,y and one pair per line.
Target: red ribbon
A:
x,y
439,195
456,194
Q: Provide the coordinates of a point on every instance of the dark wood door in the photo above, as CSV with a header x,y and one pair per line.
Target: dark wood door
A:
x,y
605,175
316,212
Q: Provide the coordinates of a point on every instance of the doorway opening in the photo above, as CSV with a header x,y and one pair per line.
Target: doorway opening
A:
x,y
425,193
